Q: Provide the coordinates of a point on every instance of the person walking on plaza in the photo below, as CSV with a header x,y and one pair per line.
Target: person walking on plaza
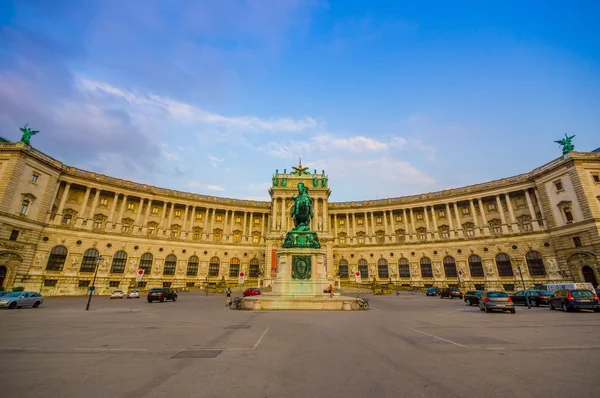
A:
x,y
330,290
228,297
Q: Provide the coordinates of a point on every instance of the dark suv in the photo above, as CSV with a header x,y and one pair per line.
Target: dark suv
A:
x,y
449,292
162,294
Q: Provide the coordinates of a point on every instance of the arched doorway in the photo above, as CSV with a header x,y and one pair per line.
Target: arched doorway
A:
x,y
588,275
2,275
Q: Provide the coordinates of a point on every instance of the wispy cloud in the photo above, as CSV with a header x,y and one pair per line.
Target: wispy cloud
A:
x,y
215,188
214,161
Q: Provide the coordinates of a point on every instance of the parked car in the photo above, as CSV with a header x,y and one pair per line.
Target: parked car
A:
x,y
252,291
117,294
574,300
133,294
431,291
161,294
472,297
449,292
3,293
536,297
496,301
21,299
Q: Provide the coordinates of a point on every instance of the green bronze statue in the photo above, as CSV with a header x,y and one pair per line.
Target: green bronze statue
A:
x,y
27,134
566,144
275,179
323,180
302,213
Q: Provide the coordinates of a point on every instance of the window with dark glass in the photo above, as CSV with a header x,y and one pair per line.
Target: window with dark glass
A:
x,y
509,287
167,284
535,263
146,263
234,267
192,266
14,234
190,284
57,258
114,283
118,263
450,267
403,268
254,268
170,265
426,269
84,283
476,266
50,282
89,261
577,241
343,268
213,266
504,265
363,268
24,207
382,268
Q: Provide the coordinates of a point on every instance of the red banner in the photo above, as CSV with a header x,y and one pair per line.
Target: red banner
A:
x,y
274,261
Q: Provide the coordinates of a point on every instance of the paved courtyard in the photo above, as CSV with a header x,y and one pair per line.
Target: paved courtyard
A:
x,y
409,346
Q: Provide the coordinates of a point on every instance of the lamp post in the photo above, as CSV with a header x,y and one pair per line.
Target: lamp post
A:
x,y
518,263
93,287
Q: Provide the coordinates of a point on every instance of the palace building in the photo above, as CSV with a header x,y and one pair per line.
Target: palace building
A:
x,y
60,224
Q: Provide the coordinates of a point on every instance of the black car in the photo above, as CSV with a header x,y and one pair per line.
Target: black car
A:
x,y
449,292
162,294
574,300
472,297
536,297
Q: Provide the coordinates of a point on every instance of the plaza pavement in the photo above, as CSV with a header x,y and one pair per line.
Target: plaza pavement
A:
x,y
407,345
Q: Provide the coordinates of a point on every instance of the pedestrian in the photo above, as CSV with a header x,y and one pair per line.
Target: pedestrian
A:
x,y
228,297
330,290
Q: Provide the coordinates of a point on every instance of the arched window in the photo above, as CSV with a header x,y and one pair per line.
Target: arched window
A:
x,y
89,261
363,268
234,267
475,265
118,263
426,270
450,267
170,265
535,263
213,266
254,268
57,258
504,265
403,268
146,263
192,266
382,268
343,268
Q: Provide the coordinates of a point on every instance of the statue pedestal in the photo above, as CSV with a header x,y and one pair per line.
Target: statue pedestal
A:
x,y
287,282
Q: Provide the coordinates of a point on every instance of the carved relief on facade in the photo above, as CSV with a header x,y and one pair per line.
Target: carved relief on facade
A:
x,y
132,265
489,268
157,265
74,260
437,268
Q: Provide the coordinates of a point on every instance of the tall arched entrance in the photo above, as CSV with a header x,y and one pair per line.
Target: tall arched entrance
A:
x,y
588,275
2,274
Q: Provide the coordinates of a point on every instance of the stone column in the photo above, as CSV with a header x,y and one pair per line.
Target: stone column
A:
x,y
139,212
335,224
122,210
282,226
539,203
251,225
436,233
161,225
147,215
486,228
274,214
314,221
93,209
426,216
511,214
475,220
449,217
192,219
372,224
184,223
244,227
232,222
225,226
412,224
534,221
262,228
111,214
81,212
385,223
502,217
392,222
205,228
325,219
61,205
353,225
459,229
171,216
212,221
405,220
348,225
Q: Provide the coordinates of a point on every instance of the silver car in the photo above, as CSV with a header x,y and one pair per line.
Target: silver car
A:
x,y
21,299
490,301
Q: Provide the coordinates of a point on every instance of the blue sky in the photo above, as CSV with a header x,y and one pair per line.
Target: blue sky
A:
x,y
390,98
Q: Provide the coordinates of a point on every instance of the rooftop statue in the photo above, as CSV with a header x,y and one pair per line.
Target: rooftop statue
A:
x,y
27,134
566,144
302,213
300,170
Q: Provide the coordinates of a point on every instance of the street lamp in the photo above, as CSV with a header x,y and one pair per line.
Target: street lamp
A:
x,y
518,264
93,287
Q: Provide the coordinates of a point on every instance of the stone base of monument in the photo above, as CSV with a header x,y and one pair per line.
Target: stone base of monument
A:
x,y
299,285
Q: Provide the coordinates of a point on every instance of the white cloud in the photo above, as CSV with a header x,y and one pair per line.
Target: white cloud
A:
x,y
351,144
194,184
215,188
214,161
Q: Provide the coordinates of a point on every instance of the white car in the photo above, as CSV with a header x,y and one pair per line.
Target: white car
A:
x,y
117,294
133,294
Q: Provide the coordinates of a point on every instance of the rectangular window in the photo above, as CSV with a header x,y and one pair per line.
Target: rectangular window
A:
x,y
142,284
131,206
213,269
509,287
177,213
198,216
255,239
496,229
196,235
24,207
479,286
50,282
361,240
398,218
379,220
359,221
175,233
577,241
67,219
444,234
256,221
97,224
217,237
422,236
151,230
254,270
238,219
155,210
167,284
568,215
596,178
103,202
114,283
558,185
219,217
342,222
465,211
491,207
419,216
14,235
84,283
237,238
342,240
34,178
441,214
190,284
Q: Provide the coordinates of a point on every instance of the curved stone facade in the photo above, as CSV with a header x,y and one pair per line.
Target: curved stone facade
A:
x,y
56,220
